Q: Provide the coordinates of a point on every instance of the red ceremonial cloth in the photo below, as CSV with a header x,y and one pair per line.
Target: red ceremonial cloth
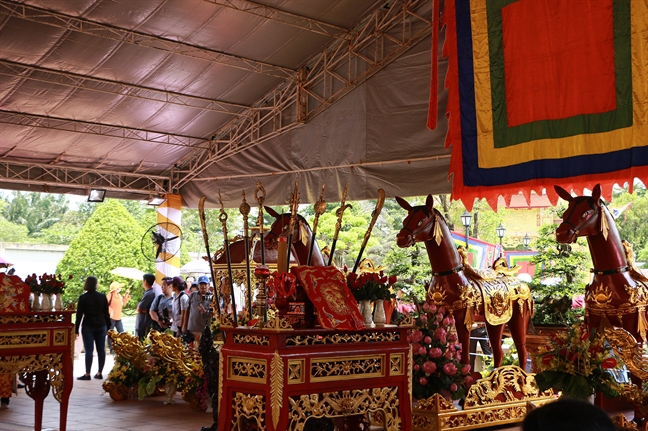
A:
x,y
326,288
14,294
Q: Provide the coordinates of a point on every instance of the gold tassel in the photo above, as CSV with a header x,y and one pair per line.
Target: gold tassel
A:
x,y
469,318
604,224
642,324
438,233
303,234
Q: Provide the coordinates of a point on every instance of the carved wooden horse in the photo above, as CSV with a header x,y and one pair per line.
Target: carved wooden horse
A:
x,y
618,291
465,294
301,238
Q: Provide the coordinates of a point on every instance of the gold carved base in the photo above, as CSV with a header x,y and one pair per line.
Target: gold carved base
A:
x,y
505,397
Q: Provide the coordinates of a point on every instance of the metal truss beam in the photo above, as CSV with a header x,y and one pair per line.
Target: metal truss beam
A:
x,y
383,36
89,128
288,18
79,178
71,23
59,77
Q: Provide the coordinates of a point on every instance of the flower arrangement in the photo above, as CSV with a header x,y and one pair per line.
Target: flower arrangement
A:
x,y
578,363
157,372
124,373
371,286
436,350
46,283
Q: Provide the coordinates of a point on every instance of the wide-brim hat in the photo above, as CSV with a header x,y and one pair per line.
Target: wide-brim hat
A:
x,y
115,285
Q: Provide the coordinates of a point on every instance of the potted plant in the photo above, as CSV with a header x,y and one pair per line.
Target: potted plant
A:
x,y
579,363
368,287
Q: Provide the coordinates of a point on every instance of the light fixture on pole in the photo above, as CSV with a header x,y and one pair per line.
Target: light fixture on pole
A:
x,y
96,195
466,218
500,233
526,241
156,200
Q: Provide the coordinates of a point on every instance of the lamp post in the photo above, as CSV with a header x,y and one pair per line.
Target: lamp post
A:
x,y
526,241
500,233
466,218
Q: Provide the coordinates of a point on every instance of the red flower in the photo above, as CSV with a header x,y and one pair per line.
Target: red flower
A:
x,y
392,279
608,363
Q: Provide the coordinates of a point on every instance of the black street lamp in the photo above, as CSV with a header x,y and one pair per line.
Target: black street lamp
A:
x,y
466,218
526,241
500,233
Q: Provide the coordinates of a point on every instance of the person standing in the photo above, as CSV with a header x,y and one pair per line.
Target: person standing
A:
x,y
180,304
161,309
143,319
198,311
115,304
94,319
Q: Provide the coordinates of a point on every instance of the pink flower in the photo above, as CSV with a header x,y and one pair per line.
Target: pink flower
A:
x,y
426,306
465,369
439,333
449,354
450,369
439,317
432,308
417,336
578,301
416,347
453,387
416,367
427,340
435,352
422,351
429,367
424,319
452,321
423,381
446,321
442,310
452,337
468,380
442,340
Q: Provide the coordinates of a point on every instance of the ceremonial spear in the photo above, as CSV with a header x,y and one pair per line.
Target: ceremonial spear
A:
x,y
201,211
294,204
223,219
338,224
261,271
320,207
374,217
245,211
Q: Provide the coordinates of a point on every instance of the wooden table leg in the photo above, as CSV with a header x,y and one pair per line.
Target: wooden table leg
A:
x,y
37,387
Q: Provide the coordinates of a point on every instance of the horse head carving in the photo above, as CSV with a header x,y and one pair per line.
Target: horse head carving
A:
x,y
302,235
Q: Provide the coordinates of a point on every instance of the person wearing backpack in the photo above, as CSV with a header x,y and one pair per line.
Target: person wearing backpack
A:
x,y
115,304
179,306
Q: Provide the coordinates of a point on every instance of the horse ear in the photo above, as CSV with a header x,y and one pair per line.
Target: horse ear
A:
x,y
272,212
563,193
429,203
403,203
596,193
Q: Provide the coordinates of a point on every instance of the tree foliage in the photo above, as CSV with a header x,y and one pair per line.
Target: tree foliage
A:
x,y
109,239
36,211
632,222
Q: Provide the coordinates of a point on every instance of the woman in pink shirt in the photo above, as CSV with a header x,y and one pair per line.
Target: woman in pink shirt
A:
x,y
115,304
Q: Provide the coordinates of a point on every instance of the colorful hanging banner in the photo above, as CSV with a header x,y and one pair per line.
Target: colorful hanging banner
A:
x,y
481,254
545,92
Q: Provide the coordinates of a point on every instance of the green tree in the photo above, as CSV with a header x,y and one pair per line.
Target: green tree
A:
x,y
109,239
563,274
632,222
36,211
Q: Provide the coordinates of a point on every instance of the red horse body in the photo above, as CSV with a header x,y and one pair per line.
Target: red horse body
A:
x,y
462,294
302,236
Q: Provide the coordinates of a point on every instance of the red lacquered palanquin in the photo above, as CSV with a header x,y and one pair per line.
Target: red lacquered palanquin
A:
x,y
39,346
281,378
